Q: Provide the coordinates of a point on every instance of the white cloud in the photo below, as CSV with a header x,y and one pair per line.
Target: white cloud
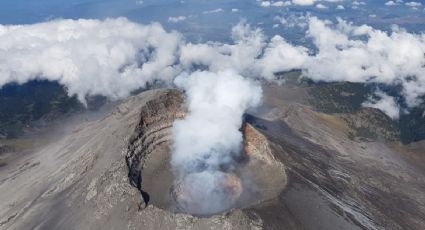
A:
x,y
281,20
303,2
235,10
342,55
321,6
385,103
115,56
340,7
385,58
275,4
279,56
218,10
391,3
110,57
293,20
281,3
413,4
265,4
357,3
176,19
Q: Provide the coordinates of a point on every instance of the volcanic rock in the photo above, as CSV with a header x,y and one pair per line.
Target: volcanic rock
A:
x,y
300,170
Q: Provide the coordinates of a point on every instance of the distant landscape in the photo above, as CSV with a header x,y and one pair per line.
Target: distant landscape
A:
x,y
26,106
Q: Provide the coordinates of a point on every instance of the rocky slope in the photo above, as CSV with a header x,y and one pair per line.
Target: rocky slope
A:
x,y
370,183
113,173
96,176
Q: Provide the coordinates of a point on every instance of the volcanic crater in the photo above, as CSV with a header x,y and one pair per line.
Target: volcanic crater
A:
x,y
255,176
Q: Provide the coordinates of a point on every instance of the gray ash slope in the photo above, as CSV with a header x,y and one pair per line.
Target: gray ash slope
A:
x,y
91,177
82,180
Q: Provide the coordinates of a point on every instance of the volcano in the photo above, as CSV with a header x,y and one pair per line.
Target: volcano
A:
x,y
297,168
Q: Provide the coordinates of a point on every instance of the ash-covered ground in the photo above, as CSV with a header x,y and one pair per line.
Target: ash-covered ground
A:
x,y
306,171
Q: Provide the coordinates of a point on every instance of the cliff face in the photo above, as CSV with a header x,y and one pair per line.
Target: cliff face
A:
x,y
152,134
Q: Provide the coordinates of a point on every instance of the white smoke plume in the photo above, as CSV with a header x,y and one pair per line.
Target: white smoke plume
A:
x,y
209,139
216,103
241,56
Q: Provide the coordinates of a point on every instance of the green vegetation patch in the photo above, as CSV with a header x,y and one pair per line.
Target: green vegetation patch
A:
x,y
342,97
22,104
345,99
